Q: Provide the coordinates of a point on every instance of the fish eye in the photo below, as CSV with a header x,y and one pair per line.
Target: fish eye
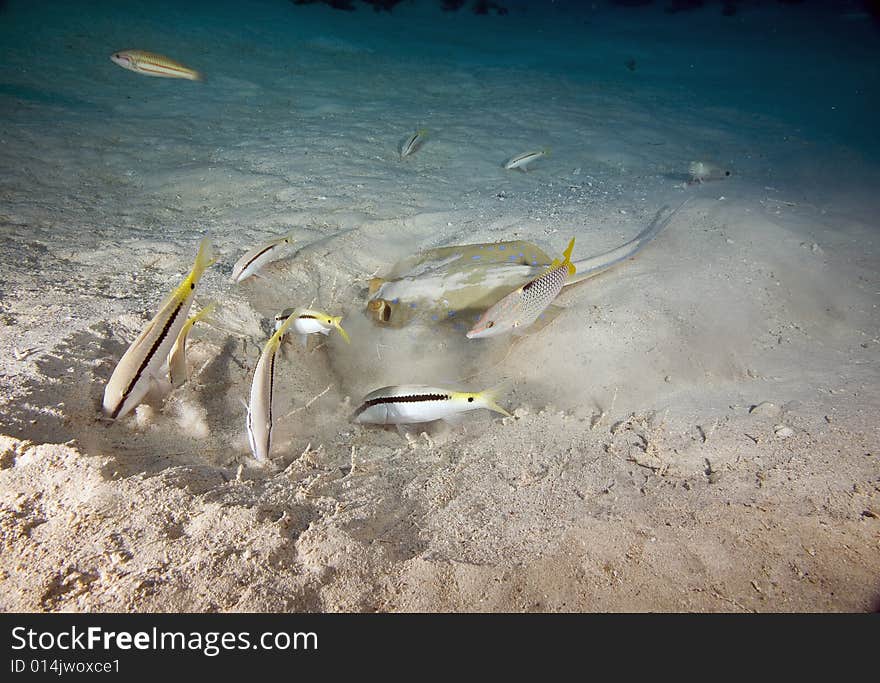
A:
x,y
386,314
329,322
470,399
489,324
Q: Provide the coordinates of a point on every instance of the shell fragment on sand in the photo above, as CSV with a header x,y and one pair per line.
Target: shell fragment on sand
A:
x,y
152,64
412,404
141,366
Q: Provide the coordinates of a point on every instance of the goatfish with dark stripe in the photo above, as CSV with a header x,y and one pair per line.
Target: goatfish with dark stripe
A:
x,y
413,142
258,257
411,404
151,64
522,161
177,355
259,415
523,306
141,367
307,321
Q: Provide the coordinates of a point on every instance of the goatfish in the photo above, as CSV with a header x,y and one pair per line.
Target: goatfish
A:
x,y
259,414
522,161
524,305
177,356
412,143
140,367
456,285
151,64
258,257
410,404
307,321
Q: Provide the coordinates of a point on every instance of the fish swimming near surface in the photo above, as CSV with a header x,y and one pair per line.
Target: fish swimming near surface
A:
x,y
307,321
151,64
259,414
177,355
522,161
519,309
141,366
456,285
258,257
411,404
413,142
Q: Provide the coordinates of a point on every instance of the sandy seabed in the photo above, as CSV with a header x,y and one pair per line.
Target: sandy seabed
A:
x,y
696,431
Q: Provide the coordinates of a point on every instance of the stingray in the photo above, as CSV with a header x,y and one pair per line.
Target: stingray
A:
x,y
457,284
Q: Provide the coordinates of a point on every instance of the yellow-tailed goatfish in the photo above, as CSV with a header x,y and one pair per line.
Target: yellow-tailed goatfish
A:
x,y
519,309
258,257
177,355
151,64
411,404
259,415
307,321
456,285
141,366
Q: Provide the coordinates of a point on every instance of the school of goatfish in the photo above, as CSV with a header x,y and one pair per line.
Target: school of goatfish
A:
x,y
502,287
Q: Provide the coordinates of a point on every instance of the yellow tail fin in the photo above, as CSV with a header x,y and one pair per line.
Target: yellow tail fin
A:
x,y
205,312
204,260
337,323
201,315
566,261
490,396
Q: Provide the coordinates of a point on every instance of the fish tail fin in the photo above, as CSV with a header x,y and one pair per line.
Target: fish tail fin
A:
x,y
204,260
546,151
337,323
567,255
207,310
566,261
198,76
490,397
422,132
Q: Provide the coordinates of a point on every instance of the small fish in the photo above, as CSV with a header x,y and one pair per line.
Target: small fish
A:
x,y
140,367
259,415
701,171
177,356
522,161
524,305
410,404
413,142
307,321
151,64
258,257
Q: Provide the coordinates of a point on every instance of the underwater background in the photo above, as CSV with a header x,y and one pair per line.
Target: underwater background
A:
x,y
697,421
